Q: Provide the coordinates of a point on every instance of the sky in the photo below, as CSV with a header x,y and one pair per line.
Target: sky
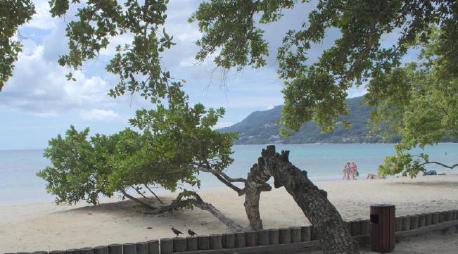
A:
x,y
38,102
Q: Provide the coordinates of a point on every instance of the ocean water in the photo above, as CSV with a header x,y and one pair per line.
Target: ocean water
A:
x,y
19,183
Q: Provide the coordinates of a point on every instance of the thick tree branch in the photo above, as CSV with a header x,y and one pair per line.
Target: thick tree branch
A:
x,y
232,180
138,200
224,178
189,199
154,194
138,191
440,164
228,183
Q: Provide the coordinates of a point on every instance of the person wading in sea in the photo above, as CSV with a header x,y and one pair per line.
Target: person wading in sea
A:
x,y
354,170
346,171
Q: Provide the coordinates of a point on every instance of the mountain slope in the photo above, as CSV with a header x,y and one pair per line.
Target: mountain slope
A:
x,y
261,128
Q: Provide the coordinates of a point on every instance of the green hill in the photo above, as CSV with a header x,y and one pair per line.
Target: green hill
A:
x,y
261,128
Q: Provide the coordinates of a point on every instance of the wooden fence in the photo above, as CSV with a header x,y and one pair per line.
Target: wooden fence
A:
x,y
283,240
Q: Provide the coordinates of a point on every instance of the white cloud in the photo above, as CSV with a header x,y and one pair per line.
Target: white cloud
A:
x,y
42,18
99,115
220,125
270,107
189,35
39,86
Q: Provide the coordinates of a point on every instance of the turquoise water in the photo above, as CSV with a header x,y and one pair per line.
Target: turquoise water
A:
x,y
19,184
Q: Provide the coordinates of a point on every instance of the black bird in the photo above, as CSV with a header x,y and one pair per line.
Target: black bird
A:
x,y
191,233
176,231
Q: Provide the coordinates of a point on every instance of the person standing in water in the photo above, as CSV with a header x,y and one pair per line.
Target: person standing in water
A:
x,y
346,171
354,170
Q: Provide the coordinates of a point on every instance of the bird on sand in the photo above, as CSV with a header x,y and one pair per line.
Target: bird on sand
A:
x,y
176,231
191,233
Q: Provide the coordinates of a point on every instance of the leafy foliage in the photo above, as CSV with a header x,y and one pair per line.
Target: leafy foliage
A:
x,y
77,171
13,13
137,62
173,143
317,91
417,101
420,101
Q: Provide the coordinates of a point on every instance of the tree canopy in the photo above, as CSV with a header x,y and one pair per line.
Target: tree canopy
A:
x,y
170,147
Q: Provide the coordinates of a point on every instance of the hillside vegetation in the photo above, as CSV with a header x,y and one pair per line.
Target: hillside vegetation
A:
x,y
260,127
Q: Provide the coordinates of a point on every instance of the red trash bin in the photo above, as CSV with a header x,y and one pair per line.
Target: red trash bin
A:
x,y
382,227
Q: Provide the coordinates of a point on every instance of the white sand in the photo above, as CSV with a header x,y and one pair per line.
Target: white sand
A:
x,y
45,226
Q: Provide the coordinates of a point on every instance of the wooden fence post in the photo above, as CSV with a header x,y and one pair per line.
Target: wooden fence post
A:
x,y
441,217
274,236
450,215
355,227
129,248
296,235
250,238
179,244
115,249
240,241
153,247
365,227
414,222
285,235
435,218
191,243
142,248
306,233
398,224
405,223
100,250
204,242
429,219
166,245
421,220
263,237
216,242
229,241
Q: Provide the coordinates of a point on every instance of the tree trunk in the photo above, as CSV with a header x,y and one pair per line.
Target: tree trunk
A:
x,y
254,185
332,231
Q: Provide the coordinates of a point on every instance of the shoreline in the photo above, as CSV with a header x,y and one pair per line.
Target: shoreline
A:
x,y
45,226
49,198
319,180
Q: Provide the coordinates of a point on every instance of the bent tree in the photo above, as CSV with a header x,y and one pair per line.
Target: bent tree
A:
x,y
332,232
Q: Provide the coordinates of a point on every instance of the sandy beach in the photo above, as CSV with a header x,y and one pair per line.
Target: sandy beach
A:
x,y
45,226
